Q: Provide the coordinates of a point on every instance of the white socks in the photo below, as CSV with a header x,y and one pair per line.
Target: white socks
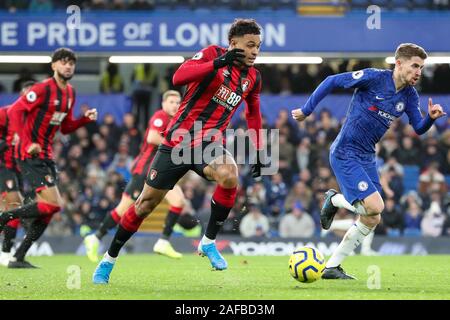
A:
x,y
339,201
354,236
206,240
108,258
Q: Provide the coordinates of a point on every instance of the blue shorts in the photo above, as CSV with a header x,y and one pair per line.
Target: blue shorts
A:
x,y
357,178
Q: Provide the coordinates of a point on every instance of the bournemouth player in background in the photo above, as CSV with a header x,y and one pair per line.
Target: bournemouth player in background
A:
x,y
46,108
218,80
10,180
141,165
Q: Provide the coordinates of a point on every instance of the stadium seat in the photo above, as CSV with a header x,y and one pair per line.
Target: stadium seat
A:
x,y
410,177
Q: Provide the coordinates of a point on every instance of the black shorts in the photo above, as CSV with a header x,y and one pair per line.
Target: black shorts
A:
x,y
135,186
10,180
40,173
164,173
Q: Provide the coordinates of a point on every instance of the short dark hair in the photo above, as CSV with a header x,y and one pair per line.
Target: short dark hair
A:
x,y
241,27
27,84
63,54
409,50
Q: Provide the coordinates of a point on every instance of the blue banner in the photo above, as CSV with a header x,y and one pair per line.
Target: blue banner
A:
x,y
153,32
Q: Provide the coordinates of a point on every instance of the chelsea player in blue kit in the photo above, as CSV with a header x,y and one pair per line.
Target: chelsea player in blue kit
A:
x,y
380,97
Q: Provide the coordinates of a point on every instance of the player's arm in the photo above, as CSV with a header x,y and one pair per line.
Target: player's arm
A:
x,y
3,120
346,80
421,125
203,63
254,123
70,124
25,104
154,137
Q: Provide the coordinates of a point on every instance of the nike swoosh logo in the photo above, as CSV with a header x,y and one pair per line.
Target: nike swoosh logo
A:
x,y
379,98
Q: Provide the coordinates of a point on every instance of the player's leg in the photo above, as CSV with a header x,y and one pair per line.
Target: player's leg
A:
x,y
224,171
357,181
129,224
48,202
11,199
129,197
42,177
176,200
162,177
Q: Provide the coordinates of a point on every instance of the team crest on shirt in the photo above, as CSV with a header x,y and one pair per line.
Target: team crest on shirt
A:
x,y
31,96
153,174
49,178
245,84
363,185
56,102
9,184
197,56
357,74
158,122
400,106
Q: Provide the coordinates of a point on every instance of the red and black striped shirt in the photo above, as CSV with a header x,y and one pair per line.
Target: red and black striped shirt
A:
x,y
7,156
46,108
212,97
158,122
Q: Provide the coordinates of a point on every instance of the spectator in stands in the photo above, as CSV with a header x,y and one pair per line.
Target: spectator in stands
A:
x,y
304,154
432,153
131,134
299,192
412,218
145,82
392,219
391,178
254,223
432,180
256,195
40,6
122,162
140,5
297,224
408,153
119,5
286,158
98,5
111,80
25,75
434,218
276,194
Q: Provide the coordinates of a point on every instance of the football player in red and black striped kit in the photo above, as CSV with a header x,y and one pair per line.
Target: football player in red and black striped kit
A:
x,y
218,80
10,179
46,108
141,165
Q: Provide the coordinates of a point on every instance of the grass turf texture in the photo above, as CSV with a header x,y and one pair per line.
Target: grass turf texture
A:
x,y
248,278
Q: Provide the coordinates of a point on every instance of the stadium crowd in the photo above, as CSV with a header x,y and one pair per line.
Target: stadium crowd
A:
x,y
50,5
95,166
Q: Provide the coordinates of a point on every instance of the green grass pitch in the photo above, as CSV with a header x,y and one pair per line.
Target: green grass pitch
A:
x,y
248,278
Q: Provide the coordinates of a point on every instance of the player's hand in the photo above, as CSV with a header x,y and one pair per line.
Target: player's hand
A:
x,y
91,114
297,114
256,167
15,140
34,149
228,58
435,110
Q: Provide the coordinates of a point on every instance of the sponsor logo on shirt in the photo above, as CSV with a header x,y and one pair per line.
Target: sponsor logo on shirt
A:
x,y
383,114
226,97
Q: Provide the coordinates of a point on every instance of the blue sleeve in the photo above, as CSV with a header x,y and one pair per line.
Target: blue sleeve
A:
x,y
420,125
346,80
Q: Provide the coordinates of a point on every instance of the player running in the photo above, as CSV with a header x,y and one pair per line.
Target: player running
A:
x,y
217,80
10,179
381,96
175,197
48,107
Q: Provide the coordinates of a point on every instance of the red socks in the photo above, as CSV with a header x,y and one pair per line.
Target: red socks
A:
x,y
130,220
225,197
